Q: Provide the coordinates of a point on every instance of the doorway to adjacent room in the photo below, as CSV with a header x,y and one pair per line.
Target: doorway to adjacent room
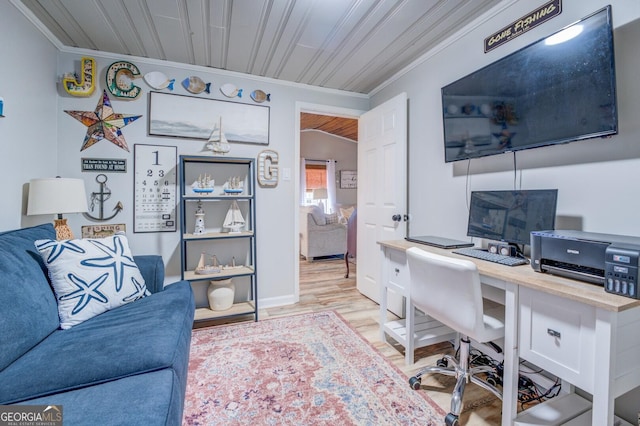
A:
x,y
326,145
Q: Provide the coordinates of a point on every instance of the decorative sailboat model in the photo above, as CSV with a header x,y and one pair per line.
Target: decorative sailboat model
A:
x,y
234,220
204,269
204,185
218,143
233,186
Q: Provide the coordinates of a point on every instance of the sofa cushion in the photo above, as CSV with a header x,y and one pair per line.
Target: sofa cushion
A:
x,y
146,399
28,311
331,218
346,212
148,335
91,276
318,215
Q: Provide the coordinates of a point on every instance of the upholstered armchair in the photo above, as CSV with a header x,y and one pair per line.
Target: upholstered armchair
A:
x,y
321,234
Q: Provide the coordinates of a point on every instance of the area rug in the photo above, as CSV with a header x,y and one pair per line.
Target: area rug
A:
x,y
309,369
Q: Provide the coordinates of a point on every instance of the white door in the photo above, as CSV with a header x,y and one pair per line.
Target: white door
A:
x,y
382,190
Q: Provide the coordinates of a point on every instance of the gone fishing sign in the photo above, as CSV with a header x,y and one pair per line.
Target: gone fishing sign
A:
x,y
531,20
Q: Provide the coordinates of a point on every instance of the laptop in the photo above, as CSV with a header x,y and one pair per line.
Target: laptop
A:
x,y
441,242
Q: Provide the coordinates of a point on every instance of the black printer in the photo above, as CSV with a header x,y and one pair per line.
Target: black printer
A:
x,y
604,259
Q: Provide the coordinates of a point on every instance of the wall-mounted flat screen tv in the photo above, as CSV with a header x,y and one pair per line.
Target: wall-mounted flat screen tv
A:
x,y
557,90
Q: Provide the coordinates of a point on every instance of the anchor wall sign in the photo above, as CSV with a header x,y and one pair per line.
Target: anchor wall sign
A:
x,y
99,198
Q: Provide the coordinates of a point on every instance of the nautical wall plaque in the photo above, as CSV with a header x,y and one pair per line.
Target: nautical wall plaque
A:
x,y
103,123
529,21
101,231
155,188
99,199
113,165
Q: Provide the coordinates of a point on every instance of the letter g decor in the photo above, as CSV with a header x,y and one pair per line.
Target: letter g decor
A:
x,y
268,169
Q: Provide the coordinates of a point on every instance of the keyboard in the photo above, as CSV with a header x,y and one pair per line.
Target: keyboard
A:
x,y
491,257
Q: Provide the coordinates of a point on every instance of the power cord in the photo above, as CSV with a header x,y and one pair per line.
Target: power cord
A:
x,y
528,391
532,393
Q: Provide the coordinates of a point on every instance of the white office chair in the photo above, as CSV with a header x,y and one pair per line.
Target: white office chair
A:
x,y
449,290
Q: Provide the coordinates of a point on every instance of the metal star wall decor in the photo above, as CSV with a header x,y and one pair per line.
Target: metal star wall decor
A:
x,y
103,123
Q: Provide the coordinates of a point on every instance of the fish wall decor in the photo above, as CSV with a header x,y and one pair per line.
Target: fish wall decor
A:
x,y
196,85
260,96
230,90
157,80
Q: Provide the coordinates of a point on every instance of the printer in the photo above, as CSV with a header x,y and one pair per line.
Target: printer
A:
x,y
609,260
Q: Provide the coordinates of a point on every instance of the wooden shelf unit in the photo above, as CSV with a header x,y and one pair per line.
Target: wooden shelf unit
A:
x,y
217,240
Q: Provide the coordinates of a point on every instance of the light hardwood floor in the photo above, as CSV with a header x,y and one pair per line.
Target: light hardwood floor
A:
x,y
323,287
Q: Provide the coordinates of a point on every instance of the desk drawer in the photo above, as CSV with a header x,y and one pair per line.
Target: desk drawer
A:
x,y
558,335
398,278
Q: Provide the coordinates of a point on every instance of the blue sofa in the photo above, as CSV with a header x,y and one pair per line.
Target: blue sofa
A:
x,y
127,366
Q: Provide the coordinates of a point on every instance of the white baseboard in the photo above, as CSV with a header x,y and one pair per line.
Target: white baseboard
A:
x,y
273,302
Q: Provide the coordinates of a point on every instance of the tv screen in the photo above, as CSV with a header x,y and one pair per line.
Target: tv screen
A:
x,y
510,216
559,89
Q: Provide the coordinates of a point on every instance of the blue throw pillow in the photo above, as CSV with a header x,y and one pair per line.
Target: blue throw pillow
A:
x,y
91,276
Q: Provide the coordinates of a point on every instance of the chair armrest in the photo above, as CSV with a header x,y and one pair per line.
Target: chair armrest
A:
x,y
312,226
151,267
328,228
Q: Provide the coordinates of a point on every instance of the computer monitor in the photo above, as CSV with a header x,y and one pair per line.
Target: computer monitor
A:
x,y
510,216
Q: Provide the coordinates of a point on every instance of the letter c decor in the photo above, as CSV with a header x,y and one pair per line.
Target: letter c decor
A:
x,y
119,76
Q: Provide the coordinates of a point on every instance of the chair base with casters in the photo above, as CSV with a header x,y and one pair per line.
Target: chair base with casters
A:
x,y
449,290
459,368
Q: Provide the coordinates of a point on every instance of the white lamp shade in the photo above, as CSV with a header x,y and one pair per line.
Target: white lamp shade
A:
x,y
320,194
56,196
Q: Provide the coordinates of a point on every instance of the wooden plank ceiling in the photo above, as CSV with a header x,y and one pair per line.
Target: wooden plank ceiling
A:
x,y
339,126
351,45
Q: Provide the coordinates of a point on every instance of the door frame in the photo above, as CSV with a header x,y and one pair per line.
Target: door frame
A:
x,y
314,109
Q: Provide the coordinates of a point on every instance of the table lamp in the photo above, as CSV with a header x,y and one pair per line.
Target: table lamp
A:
x,y
320,194
57,196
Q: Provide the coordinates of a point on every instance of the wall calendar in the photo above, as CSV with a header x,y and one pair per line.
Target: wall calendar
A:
x,y
155,188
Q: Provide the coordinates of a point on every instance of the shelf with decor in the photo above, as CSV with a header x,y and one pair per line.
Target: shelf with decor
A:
x,y
218,236
238,309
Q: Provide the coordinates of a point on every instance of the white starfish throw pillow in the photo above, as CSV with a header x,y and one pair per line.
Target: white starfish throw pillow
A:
x,y
91,276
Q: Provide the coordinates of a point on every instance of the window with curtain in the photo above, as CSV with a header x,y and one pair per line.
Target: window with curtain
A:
x,y
316,178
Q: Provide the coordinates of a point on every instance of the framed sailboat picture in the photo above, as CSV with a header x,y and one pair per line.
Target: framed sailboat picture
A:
x,y
198,118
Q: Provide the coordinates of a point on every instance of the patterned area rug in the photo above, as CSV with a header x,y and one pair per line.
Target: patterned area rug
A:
x,y
310,369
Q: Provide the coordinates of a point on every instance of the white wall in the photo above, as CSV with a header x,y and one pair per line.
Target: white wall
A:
x,y
592,176
597,179
38,139
323,146
276,210
28,133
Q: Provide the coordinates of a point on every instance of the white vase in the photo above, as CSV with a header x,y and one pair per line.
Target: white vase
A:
x,y
220,294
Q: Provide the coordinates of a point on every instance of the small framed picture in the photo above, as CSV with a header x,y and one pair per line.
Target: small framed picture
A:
x,y
348,179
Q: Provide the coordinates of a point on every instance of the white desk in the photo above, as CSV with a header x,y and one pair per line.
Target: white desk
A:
x,y
574,330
